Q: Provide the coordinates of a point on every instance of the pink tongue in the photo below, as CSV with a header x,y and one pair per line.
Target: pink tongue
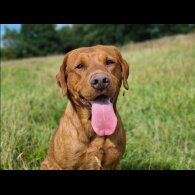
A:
x,y
104,120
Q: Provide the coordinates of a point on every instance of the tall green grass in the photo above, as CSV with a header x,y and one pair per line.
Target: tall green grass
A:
x,y
158,111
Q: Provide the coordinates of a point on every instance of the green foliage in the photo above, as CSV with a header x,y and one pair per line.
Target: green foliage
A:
x,y
157,111
32,40
67,39
44,39
12,44
40,39
93,34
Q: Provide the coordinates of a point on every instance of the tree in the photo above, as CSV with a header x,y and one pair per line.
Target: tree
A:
x,y
40,39
44,39
67,39
93,34
32,40
12,40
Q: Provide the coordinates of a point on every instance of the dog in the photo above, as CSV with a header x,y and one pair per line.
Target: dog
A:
x,y
90,135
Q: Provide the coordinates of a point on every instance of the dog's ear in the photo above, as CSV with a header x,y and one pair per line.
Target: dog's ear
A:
x,y
61,76
125,73
125,70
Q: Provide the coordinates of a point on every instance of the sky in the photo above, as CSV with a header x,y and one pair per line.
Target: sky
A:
x,y
18,26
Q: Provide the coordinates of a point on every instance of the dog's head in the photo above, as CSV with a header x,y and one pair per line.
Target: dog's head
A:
x,y
89,72
93,74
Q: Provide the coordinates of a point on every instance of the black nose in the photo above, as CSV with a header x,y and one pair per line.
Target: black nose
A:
x,y
100,81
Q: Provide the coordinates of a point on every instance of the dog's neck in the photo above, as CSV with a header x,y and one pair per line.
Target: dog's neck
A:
x,y
80,117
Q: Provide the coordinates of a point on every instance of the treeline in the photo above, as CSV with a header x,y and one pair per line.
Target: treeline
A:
x,y
45,39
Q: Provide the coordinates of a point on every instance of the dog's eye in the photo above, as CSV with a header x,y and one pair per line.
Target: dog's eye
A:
x,y
108,62
79,66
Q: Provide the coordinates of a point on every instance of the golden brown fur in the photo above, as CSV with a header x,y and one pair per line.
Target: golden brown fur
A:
x,y
75,145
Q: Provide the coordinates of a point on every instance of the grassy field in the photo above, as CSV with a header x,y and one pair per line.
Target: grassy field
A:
x,y
158,111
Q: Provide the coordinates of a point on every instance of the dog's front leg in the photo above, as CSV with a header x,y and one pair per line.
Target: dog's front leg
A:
x,y
91,158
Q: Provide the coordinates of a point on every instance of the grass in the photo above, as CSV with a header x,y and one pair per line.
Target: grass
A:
x,y
158,111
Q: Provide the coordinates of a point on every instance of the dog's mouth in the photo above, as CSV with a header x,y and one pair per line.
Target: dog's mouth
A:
x,y
101,99
103,118
85,102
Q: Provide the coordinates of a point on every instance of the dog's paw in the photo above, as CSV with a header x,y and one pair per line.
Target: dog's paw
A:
x,y
98,162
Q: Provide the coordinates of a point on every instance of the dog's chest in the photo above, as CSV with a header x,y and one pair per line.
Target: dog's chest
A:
x,y
111,154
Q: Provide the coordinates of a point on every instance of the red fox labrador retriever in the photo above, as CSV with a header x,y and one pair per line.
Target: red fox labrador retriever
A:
x,y
90,135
